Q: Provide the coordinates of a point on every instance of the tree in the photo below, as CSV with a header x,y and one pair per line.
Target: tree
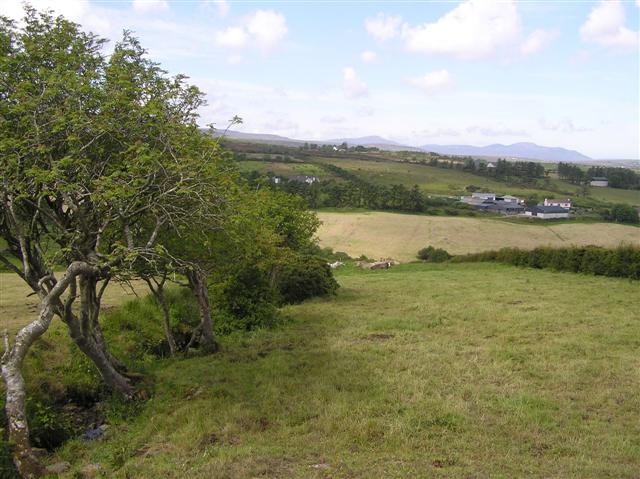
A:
x,y
97,158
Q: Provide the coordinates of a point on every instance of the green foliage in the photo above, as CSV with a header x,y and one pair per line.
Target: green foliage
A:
x,y
623,261
245,300
621,213
305,277
433,255
135,329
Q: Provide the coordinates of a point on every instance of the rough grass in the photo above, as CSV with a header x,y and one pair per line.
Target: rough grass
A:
x,y
18,307
400,236
474,370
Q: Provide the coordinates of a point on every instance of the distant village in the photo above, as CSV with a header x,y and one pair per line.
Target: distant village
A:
x,y
551,208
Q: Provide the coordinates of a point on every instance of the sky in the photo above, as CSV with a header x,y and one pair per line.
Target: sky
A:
x,y
556,73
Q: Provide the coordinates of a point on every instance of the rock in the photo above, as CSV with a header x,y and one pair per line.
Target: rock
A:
x,y
58,467
90,470
93,434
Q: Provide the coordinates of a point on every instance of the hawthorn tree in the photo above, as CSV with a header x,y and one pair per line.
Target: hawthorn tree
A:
x,y
98,156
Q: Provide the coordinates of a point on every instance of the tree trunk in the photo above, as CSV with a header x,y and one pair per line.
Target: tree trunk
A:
x,y
27,464
87,335
158,293
198,284
166,322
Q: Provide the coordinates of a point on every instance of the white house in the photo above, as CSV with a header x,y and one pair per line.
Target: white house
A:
x,y
508,199
483,196
566,204
547,212
599,181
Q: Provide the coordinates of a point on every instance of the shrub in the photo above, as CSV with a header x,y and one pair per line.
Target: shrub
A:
x,y
622,262
622,213
303,278
433,255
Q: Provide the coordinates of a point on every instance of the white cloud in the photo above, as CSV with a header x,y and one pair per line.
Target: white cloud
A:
x,y
221,5
537,41
353,86
433,82
474,29
383,27
145,6
499,130
263,29
565,125
267,27
605,26
335,120
368,56
365,111
232,37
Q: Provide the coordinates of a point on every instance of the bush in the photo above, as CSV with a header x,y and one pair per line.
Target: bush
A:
x,y
621,262
622,213
304,278
433,255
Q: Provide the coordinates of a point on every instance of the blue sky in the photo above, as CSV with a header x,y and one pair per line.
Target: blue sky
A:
x,y
557,73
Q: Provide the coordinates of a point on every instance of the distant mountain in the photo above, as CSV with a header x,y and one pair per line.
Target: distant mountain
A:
x,y
517,150
529,151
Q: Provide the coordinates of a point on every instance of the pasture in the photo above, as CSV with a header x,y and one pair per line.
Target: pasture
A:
x,y
400,236
467,370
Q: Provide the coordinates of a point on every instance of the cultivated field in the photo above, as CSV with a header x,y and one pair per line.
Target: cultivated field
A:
x,y
456,371
400,236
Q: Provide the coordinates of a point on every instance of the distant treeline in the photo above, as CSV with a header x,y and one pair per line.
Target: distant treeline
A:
x,y
618,177
351,191
622,262
501,169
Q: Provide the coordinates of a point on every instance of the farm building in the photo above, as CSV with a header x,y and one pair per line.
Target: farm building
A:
x,y
504,207
599,181
547,212
304,179
562,203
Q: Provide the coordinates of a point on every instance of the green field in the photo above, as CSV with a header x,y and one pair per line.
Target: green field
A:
x,y
400,236
467,370
440,181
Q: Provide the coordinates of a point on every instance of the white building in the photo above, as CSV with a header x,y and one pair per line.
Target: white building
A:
x,y
547,212
599,181
566,203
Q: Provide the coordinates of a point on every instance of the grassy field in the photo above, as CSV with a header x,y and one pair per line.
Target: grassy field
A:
x,y
439,181
400,236
18,306
457,371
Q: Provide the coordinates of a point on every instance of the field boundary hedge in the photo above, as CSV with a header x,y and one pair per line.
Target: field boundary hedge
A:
x,y
620,262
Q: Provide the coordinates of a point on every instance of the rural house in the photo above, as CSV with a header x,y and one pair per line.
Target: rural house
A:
x,y
566,203
304,179
547,212
600,181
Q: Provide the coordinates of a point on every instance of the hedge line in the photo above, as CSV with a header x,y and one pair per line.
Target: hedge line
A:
x,y
622,262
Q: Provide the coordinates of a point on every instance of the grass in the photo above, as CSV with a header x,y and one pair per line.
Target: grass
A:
x,y
468,370
440,181
18,307
400,236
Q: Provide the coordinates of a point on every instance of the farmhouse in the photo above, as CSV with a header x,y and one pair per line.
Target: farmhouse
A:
x,y
304,179
504,207
483,196
547,212
600,181
562,203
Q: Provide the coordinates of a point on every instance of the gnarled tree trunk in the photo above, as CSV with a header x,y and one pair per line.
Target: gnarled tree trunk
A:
x,y
27,464
158,293
198,285
86,333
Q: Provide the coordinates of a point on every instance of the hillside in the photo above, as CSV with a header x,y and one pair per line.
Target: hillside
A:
x,y
400,236
471,370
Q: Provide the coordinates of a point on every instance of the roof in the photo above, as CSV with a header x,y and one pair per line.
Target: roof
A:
x,y
599,178
558,200
548,209
502,206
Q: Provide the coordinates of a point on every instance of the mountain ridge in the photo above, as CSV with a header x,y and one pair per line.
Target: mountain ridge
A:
x,y
520,150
